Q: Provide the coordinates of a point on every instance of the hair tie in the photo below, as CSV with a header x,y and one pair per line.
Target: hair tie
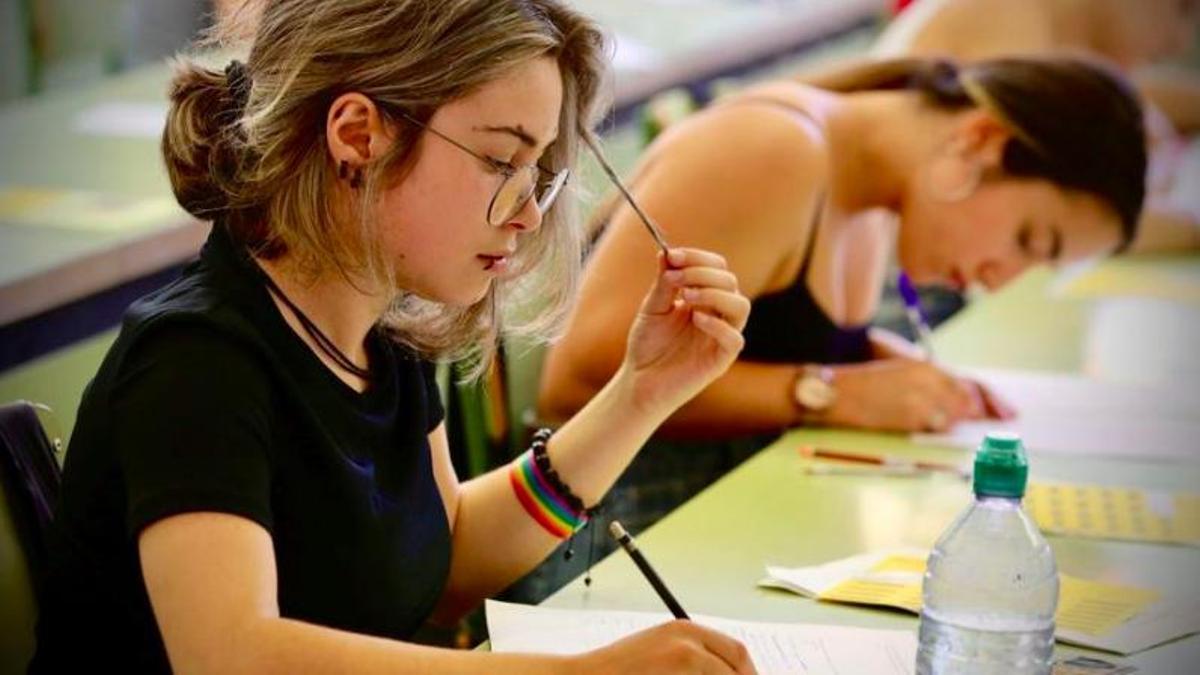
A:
x,y
946,74
980,96
237,79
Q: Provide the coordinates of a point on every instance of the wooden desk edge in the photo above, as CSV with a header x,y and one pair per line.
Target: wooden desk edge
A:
x,y
102,269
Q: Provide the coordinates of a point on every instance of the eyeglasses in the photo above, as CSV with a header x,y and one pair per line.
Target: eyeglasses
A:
x,y
520,184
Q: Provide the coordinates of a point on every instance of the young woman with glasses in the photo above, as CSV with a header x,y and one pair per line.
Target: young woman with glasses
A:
x,y
259,480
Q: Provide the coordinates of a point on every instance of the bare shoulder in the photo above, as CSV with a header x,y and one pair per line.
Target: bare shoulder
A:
x,y
767,143
739,177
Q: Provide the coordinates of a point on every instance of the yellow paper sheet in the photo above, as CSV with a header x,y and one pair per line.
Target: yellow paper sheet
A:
x,y
1090,607
1099,512
1097,608
894,581
82,210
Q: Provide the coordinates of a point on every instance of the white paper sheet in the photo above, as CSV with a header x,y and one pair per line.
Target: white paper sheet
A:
x,y
1075,415
816,579
123,119
774,647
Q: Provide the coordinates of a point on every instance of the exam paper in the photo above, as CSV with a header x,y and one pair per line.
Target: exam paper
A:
x,y
1113,617
1075,415
1171,617
774,647
1120,513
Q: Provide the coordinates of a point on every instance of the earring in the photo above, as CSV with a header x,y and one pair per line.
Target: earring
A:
x,y
343,172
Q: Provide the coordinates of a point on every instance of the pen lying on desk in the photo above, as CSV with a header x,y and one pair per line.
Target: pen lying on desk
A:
x,y
626,542
899,463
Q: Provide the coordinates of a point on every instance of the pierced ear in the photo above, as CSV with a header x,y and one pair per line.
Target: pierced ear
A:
x,y
355,131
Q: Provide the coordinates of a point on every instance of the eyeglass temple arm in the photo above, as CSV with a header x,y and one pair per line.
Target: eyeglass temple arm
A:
x,y
612,175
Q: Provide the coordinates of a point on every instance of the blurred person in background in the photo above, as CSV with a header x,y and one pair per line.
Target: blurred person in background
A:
x,y
1149,39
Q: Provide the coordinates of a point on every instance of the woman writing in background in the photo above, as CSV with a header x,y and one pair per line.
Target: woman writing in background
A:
x,y
259,480
973,175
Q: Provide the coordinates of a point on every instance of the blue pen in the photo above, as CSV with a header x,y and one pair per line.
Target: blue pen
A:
x,y
916,318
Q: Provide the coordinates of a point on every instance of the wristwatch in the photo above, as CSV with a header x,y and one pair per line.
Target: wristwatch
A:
x,y
814,392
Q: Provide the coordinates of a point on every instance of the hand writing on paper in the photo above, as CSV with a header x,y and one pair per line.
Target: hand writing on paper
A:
x,y
910,395
675,647
993,405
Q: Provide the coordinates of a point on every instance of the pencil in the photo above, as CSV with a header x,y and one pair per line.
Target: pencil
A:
x,y
651,226
626,542
878,460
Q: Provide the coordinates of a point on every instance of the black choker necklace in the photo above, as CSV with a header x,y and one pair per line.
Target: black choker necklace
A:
x,y
323,342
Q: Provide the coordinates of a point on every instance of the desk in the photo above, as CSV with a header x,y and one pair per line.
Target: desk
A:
x,y
712,551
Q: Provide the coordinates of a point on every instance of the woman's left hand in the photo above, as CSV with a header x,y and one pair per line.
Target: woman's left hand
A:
x,y
688,330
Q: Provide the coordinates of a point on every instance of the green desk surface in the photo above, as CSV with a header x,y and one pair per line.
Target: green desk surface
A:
x,y
58,379
712,551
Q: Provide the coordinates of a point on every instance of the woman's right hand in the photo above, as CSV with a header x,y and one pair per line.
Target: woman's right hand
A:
x,y
902,395
676,647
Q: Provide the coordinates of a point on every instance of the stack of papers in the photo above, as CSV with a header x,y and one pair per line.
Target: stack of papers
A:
x,y
1079,416
1112,617
774,647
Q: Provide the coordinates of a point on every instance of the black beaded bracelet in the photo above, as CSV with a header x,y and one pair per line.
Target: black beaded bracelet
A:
x,y
542,459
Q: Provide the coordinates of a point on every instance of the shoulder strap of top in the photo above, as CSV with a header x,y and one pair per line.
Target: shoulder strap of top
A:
x,y
820,207
778,103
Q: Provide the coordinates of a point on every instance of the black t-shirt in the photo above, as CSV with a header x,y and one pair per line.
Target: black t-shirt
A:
x,y
208,401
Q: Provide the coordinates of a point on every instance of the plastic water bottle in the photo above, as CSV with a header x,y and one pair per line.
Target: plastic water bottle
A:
x,y
991,585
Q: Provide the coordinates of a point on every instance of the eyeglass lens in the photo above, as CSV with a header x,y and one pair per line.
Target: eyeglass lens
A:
x,y
518,189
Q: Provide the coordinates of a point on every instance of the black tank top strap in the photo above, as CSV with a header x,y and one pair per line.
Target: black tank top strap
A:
x,y
789,326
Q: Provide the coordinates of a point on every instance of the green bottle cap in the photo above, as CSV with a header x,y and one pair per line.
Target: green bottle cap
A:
x,y
1000,466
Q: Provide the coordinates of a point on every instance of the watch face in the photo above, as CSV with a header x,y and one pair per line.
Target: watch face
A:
x,y
814,393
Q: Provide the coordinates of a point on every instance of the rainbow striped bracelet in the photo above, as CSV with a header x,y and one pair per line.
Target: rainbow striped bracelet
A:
x,y
541,501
